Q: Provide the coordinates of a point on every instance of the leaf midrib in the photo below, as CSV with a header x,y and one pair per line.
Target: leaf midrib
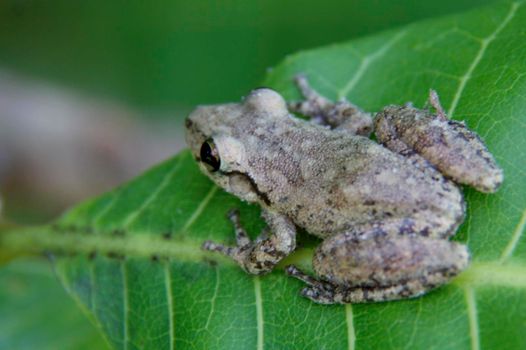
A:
x,y
507,273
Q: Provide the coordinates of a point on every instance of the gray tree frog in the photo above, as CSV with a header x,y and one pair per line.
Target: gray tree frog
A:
x,y
385,210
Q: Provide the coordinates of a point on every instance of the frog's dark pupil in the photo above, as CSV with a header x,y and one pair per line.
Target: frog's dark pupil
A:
x,y
209,155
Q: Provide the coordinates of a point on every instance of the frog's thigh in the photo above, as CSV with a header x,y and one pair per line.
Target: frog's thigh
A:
x,y
387,267
452,148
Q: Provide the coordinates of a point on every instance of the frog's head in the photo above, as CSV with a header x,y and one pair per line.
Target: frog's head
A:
x,y
222,139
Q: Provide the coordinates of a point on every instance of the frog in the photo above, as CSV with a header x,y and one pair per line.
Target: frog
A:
x,y
384,209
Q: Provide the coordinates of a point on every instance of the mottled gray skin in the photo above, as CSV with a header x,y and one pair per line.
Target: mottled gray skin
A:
x,y
449,145
385,212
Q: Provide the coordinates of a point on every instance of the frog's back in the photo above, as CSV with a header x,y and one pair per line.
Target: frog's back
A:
x,y
336,181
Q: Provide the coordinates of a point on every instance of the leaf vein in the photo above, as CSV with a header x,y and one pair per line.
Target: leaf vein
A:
x,y
91,313
351,336
169,301
478,57
259,312
200,208
471,304
125,306
213,300
515,238
93,286
165,182
105,209
366,62
409,344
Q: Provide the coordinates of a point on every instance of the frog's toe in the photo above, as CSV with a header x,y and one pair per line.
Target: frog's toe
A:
x,y
239,253
311,293
217,247
242,238
313,283
320,295
293,271
232,214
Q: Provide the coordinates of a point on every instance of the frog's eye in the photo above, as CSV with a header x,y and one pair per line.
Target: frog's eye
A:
x,y
210,155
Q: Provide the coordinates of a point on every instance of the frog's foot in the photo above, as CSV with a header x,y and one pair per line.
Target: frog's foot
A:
x,y
448,145
341,115
293,271
320,292
259,256
387,267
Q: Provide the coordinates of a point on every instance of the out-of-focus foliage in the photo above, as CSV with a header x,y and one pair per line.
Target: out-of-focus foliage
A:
x,y
57,146
180,53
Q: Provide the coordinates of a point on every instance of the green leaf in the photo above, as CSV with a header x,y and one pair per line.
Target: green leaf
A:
x,y
38,314
150,286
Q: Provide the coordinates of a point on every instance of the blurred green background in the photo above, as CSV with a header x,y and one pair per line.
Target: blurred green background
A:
x,y
168,54
154,61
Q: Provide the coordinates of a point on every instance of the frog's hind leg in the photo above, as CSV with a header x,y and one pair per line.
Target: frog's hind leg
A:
x,y
322,292
341,115
452,148
380,267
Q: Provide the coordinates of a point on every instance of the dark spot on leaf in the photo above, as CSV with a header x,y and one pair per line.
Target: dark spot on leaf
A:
x,y
114,255
118,232
210,262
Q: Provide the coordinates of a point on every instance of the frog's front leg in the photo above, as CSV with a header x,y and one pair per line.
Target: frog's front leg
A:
x,y
341,115
448,145
259,256
356,270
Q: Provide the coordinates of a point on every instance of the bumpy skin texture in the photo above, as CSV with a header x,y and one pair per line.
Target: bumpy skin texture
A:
x,y
381,268
384,212
448,145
